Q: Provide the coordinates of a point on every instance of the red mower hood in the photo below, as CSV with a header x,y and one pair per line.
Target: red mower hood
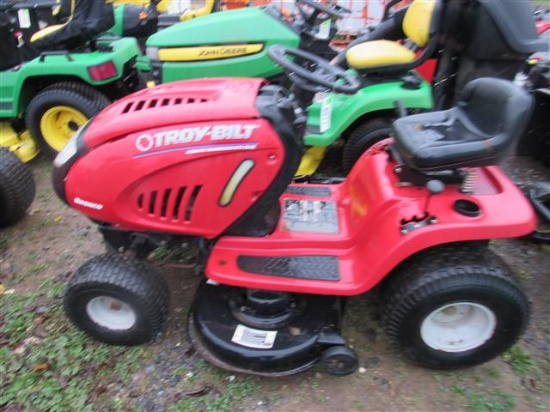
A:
x,y
176,103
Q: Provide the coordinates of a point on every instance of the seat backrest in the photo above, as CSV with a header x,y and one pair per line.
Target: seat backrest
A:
x,y
418,21
9,54
496,106
418,27
480,130
64,9
88,19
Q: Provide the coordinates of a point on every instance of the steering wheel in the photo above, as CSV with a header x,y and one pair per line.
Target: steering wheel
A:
x,y
335,12
313,73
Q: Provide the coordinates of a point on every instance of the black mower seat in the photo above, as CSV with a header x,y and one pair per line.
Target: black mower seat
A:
x,y
488,119
87,19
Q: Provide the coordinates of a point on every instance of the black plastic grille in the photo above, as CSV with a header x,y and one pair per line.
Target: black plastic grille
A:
x,y
170,203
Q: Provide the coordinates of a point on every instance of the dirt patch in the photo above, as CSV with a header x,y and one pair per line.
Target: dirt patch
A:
x,y
53,241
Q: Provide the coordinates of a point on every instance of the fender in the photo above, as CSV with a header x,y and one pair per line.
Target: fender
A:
x,y
331,115
371,202
74,65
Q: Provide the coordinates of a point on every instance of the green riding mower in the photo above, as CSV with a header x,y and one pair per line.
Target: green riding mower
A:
x,y
235,43
54,80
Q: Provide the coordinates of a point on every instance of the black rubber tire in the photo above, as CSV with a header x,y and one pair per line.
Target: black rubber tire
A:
x,y
362,138
132,282
539,195
79,96
17,188
446,275
339,360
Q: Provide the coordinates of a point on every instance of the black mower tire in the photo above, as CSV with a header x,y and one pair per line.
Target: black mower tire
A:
x,y
433,295
539,195
111,285
362,138
17,188
82,98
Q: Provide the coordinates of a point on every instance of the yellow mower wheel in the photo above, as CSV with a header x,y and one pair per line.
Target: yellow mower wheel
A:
x,y
57,111
59,123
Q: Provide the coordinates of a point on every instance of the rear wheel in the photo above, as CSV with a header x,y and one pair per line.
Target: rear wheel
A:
x,y
362,138
57,112
17,188
539,194
117,301
454,306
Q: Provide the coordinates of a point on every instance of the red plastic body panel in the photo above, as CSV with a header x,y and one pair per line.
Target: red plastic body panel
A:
x,y
159,172
371,208
176,103
427,70
190,158
542,26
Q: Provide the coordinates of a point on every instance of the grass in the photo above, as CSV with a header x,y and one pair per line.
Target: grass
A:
x,y
215,400
495,401
485,401
57,371
48,365
4,241
521,361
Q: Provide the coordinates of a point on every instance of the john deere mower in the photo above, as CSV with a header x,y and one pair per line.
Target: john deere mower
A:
x,y
59,77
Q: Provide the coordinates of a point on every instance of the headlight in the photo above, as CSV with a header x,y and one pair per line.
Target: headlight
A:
x,y
74,149
152,53
68,151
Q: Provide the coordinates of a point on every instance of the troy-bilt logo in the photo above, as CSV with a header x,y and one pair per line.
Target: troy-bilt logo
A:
x,y
146,142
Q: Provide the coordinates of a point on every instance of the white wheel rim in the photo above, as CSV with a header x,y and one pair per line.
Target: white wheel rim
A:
x,y
458,327
111,313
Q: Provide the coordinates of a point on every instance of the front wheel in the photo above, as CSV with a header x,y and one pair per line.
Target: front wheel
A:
x,y
453,307
57,112
117,301
362,138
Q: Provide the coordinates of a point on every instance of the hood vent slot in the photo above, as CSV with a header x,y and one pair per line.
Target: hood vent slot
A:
x,y
169,204
137,105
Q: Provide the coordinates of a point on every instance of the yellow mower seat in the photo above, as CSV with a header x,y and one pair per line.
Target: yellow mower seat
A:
x,y
420,26
378,53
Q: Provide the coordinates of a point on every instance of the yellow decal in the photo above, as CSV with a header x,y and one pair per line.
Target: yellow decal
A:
x,y
188,54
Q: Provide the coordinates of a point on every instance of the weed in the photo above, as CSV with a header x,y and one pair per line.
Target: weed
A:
x,y
4,242
496,401
164,254
520,360
493,373
360,406
39,267
524,275
219,399
179,372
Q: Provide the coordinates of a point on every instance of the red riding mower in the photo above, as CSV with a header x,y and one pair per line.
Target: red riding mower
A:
x,y
211,163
